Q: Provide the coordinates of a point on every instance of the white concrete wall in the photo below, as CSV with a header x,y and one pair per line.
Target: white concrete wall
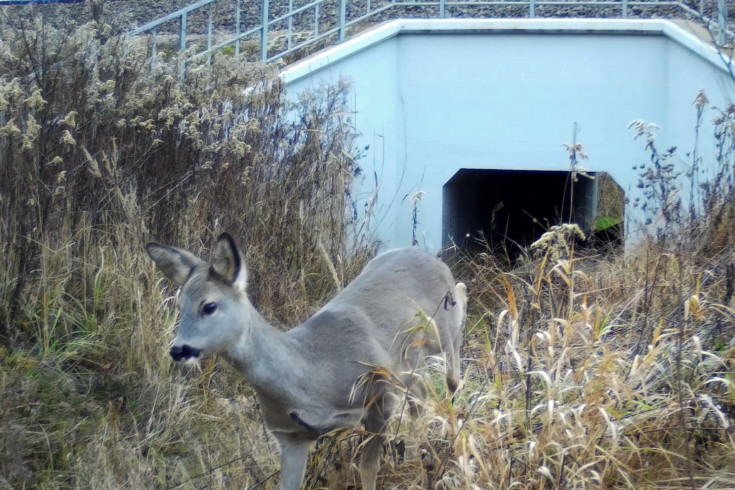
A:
x,y
432,97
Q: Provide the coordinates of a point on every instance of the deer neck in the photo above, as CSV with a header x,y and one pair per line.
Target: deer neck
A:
x,y
268,359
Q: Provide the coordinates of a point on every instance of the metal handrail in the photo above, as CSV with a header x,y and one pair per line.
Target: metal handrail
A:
x,y
174,15
26,2
338,22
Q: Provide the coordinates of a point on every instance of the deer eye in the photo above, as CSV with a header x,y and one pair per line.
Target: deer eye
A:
x,y
209,308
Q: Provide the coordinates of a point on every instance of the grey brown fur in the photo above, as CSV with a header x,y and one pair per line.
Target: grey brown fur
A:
x,y
320,375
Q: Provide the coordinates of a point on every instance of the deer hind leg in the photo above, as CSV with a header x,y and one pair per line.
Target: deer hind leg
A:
x,y
415,398
457,319
415,392
294,454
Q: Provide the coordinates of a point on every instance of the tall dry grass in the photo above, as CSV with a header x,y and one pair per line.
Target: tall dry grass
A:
x,y
100,152
579,371
600,373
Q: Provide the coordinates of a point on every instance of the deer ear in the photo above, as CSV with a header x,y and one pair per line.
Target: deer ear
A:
x,y
176,264
227,262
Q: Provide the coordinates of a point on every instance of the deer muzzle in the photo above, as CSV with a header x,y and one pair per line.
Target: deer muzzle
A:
x,y
184,352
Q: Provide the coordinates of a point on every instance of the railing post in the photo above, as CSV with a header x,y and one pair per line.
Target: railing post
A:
x,y
290,24
316,20
625,9
722,21
182,32
342,15
264,30
209,35
442,9
182,45
154,44
532,8
237,26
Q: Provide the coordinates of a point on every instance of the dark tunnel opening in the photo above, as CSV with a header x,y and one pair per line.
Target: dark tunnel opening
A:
x,y
508,209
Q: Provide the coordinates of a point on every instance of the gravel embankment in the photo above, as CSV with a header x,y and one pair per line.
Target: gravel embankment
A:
x,y
128,14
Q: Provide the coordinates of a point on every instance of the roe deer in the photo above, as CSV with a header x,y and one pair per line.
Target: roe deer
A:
x,y
330,371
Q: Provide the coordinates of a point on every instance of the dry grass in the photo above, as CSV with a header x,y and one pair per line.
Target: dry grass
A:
x,y
578,372
99,153
594,375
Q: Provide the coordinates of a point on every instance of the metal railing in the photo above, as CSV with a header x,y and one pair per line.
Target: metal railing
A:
x,y
281,28
24,2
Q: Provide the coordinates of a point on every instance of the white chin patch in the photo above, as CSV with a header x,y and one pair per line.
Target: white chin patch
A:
x,y
192,362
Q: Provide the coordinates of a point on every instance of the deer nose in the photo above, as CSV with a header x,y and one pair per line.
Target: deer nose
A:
x,y
179,352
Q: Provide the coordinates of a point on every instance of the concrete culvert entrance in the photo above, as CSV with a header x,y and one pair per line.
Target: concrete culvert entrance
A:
x,y
508,208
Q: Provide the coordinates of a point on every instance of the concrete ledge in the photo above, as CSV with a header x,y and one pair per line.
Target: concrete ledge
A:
x,y
393,28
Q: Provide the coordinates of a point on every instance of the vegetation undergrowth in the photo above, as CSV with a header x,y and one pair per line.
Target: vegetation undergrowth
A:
x,y
100,152
579,371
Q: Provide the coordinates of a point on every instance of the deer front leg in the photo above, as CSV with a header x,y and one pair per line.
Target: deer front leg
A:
x,y
294,454
370,461
370,458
